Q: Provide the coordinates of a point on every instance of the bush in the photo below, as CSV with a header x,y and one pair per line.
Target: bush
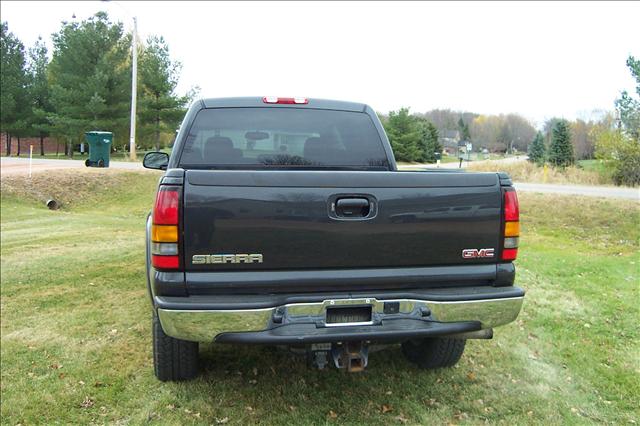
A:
x,y
627,163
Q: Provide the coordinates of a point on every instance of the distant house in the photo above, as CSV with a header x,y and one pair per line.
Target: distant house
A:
x,y
449,141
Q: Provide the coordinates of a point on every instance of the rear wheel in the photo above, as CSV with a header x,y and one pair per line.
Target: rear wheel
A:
x,y
436,352
87,163
101,163
173,359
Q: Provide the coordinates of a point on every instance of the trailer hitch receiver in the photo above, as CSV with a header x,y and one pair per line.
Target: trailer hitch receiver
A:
x,y
351,356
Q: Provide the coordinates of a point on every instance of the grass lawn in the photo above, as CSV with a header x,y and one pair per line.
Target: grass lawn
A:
x,y
76,343
584,173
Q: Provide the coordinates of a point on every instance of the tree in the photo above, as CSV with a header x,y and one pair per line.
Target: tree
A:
x,y
14,106
628,107
90,75
560,149
619,150
620,145
465,135
582,141
501,132
404,135
537,150
39,91
160,108
429,140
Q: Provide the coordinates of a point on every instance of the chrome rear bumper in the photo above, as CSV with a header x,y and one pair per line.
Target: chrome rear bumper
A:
x,y
306,322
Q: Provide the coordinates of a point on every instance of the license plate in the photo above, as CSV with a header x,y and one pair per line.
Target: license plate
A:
x,y
348,314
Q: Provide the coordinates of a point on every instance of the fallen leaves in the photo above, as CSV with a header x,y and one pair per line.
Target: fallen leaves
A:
x,y
87,402
222,421
461,416
386,408
401,418
332,414
431,402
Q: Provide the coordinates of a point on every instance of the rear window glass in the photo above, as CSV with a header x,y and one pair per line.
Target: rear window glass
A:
x,y
282,138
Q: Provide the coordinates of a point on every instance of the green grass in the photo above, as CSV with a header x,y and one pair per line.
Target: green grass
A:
x,y
76,328
599,166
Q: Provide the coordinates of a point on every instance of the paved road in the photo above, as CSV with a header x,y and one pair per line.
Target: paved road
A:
x,y
17,166
589,191
465,163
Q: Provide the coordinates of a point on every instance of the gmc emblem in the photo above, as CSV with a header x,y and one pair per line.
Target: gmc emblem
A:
x,y
477,253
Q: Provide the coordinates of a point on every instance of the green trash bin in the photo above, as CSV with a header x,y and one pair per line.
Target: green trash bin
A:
x,y
99,148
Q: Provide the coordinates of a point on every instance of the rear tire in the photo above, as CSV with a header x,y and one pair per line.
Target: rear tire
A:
x,y
436,352
101,163
173,359
87,163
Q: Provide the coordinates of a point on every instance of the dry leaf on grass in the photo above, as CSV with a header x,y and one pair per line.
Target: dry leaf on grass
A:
x,y
88,402
386,408
401,419
222,421
332,414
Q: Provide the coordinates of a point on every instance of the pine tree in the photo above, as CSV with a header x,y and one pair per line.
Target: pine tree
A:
x,y
160,108
14,101
91,79
537,150
561,150
404,135
39,92
465,134
429,141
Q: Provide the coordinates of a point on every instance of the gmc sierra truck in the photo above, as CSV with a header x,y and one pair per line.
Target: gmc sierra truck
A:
x,y
285,221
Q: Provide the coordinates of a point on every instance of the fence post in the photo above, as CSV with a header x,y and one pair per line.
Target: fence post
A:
x,y
30,158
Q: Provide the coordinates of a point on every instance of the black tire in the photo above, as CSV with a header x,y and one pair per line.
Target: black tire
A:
x,y
87,163
437,352
101,163
173,359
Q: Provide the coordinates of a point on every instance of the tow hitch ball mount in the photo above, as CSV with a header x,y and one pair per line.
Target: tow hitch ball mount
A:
x,y
350,356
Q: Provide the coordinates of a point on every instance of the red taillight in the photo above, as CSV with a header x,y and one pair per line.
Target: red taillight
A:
x,y
165,262
509,254
511,230
277,100
165,229
167,205
511,208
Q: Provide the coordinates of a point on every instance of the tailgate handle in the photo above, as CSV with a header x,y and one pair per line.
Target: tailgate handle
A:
x,y
352,207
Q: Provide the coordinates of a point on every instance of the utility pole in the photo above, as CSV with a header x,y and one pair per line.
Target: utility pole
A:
x,y
134,80
134,90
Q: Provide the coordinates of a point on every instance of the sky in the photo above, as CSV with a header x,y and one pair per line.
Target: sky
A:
x,y
540,60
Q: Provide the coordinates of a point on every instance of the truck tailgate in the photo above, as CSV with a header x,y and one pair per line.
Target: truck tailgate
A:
x,y
290,218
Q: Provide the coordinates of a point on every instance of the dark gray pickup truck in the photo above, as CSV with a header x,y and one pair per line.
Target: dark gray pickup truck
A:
x,y
284,221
